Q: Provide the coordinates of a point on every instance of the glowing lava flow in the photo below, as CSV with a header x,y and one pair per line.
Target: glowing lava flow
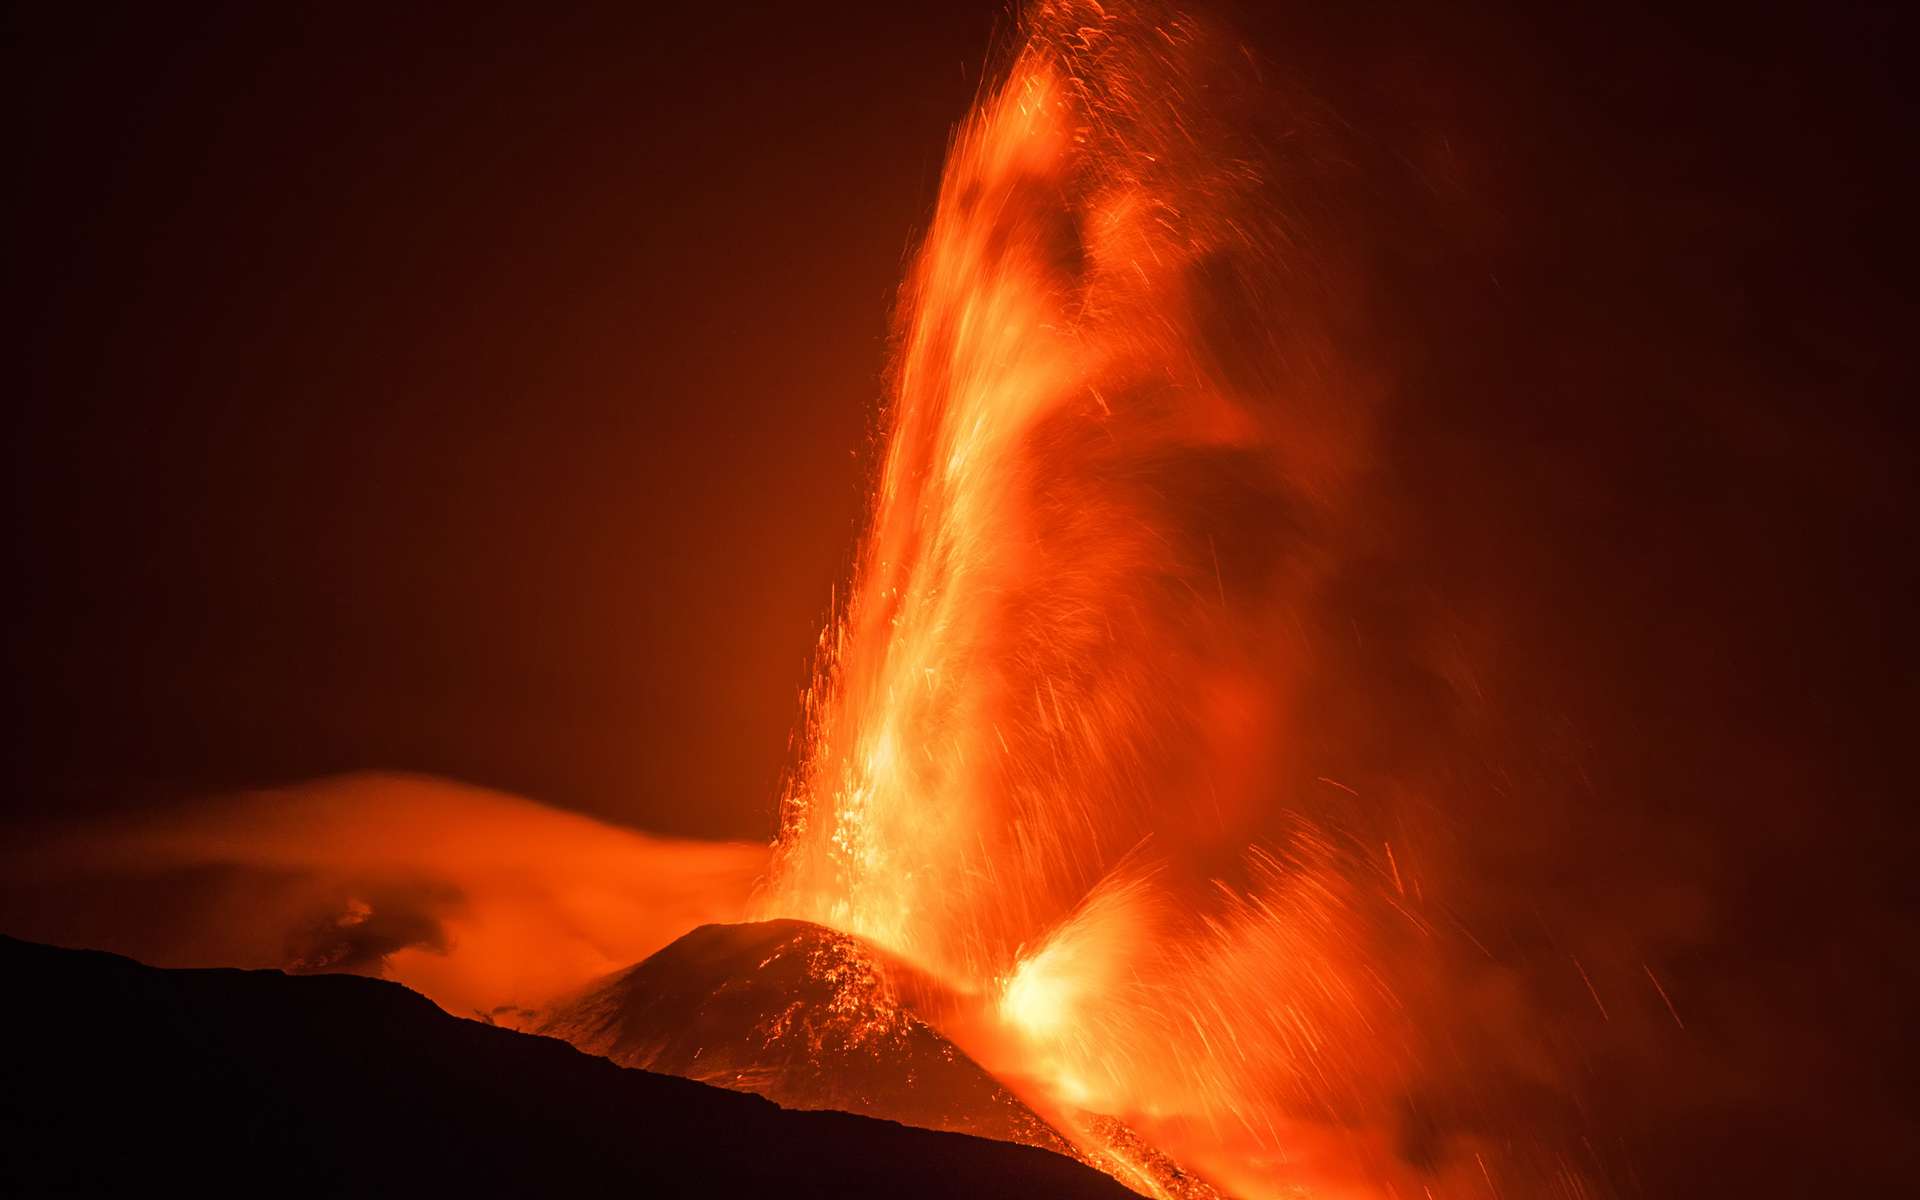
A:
x,y
1045,751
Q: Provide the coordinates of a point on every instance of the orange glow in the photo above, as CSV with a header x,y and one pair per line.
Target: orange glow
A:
x,y
1041,993
479,900
1042,745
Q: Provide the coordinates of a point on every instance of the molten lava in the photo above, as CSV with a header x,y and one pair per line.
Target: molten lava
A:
x,y
1047,755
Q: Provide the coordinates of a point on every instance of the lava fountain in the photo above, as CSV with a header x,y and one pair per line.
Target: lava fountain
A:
x,y
1114,816
1049,753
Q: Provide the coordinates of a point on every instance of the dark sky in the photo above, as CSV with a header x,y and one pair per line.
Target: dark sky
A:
x,y
482,396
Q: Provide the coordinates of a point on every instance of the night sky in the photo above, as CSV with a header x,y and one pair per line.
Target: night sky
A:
x,y
485,397
491,395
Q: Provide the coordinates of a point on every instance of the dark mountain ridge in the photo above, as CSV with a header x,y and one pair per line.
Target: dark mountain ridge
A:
x,y
119,1076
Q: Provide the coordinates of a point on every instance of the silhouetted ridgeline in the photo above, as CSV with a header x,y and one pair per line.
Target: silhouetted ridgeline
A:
x,y
118,1076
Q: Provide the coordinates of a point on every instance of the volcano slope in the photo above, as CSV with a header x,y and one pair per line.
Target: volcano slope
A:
x,y
800,1014
813,1018
118,1076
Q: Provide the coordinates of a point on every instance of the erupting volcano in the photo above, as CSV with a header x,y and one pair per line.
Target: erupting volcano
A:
x,y
1058,863
1344,684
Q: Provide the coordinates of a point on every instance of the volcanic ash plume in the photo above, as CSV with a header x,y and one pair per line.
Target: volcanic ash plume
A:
x,y
1053,753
